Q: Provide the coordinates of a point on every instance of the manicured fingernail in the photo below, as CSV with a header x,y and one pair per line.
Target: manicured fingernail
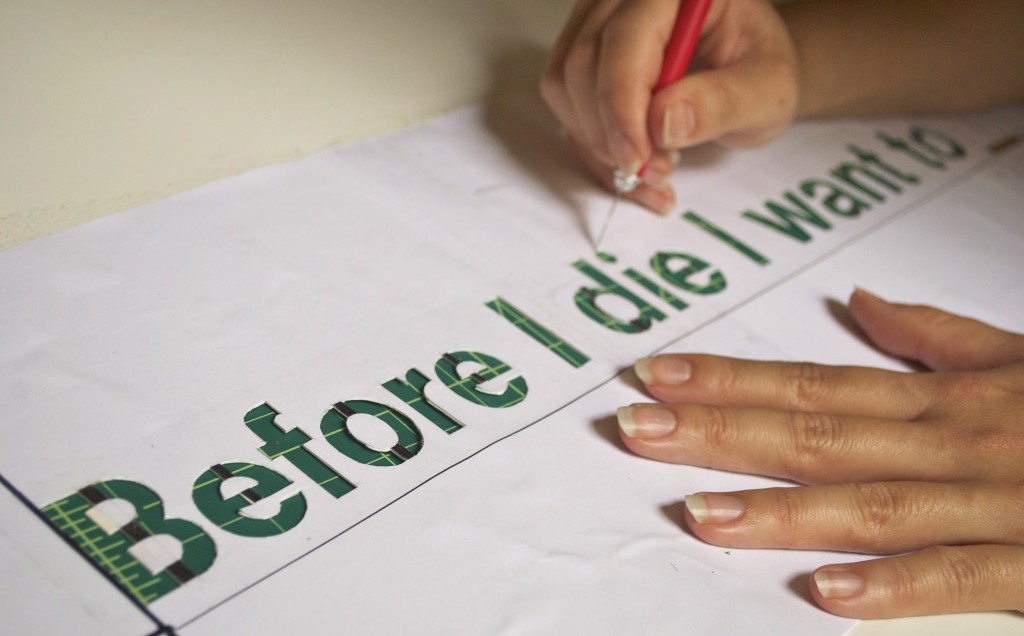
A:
x,y
642,369
646,421
678,125
626,159
668,208
838,583
663,370
712,508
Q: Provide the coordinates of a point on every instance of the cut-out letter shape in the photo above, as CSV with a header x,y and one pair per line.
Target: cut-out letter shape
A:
x,y
586,300
680,276
900,145
110,551
836,200
926,138
787,220
725,237
468,387
225,512
334,426
538,332
412,392
290,445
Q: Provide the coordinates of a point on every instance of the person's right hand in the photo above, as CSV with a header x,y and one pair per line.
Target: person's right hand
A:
x,y
742,88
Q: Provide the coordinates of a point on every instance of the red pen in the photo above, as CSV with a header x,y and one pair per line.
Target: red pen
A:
x,y
678,52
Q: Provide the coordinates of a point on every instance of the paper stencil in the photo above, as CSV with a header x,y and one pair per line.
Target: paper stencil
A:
x,y
346,373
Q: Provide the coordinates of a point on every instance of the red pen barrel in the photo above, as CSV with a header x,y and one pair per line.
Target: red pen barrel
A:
x,y
684,38
679,50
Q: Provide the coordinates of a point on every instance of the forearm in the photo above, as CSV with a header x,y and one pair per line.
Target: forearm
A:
x,y
879,57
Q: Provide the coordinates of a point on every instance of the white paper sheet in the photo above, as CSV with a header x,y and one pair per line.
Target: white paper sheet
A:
x,y
134,347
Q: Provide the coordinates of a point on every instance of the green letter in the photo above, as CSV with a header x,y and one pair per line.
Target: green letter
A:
x,y
784,220
679,277
656,289
108,546
466,387
334,426
872,159
413,395
535,330
899,145
725,237
839,201
289,445
586,300
206,494
953,150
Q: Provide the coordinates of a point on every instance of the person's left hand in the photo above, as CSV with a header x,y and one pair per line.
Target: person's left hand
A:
x,y
929,466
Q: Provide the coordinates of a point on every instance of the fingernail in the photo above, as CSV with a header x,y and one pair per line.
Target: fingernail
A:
x,y
657,179
646,421
712,508
663,370
860,291
838,583
659,201
675,157
678,125
642,369
625,155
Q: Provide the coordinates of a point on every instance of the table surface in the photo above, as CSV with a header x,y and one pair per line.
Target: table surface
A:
x,y
108,105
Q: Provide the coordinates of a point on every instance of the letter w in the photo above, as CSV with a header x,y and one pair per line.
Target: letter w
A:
x,y
787,220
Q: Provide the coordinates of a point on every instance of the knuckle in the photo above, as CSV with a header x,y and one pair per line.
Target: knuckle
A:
x,y
808,382
721,98
879,508
788,510
713,110
817,438
719,430
998,450
722,375
960,576
970,388
901,583
579,59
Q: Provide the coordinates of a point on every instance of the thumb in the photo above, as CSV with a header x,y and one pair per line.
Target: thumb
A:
x,y
940,340
744,104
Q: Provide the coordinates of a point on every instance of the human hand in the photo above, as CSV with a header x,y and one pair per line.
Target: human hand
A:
x,y
929,466
741,90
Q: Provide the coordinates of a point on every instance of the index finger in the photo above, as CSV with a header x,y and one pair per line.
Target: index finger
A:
x,y
632,53
798,386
